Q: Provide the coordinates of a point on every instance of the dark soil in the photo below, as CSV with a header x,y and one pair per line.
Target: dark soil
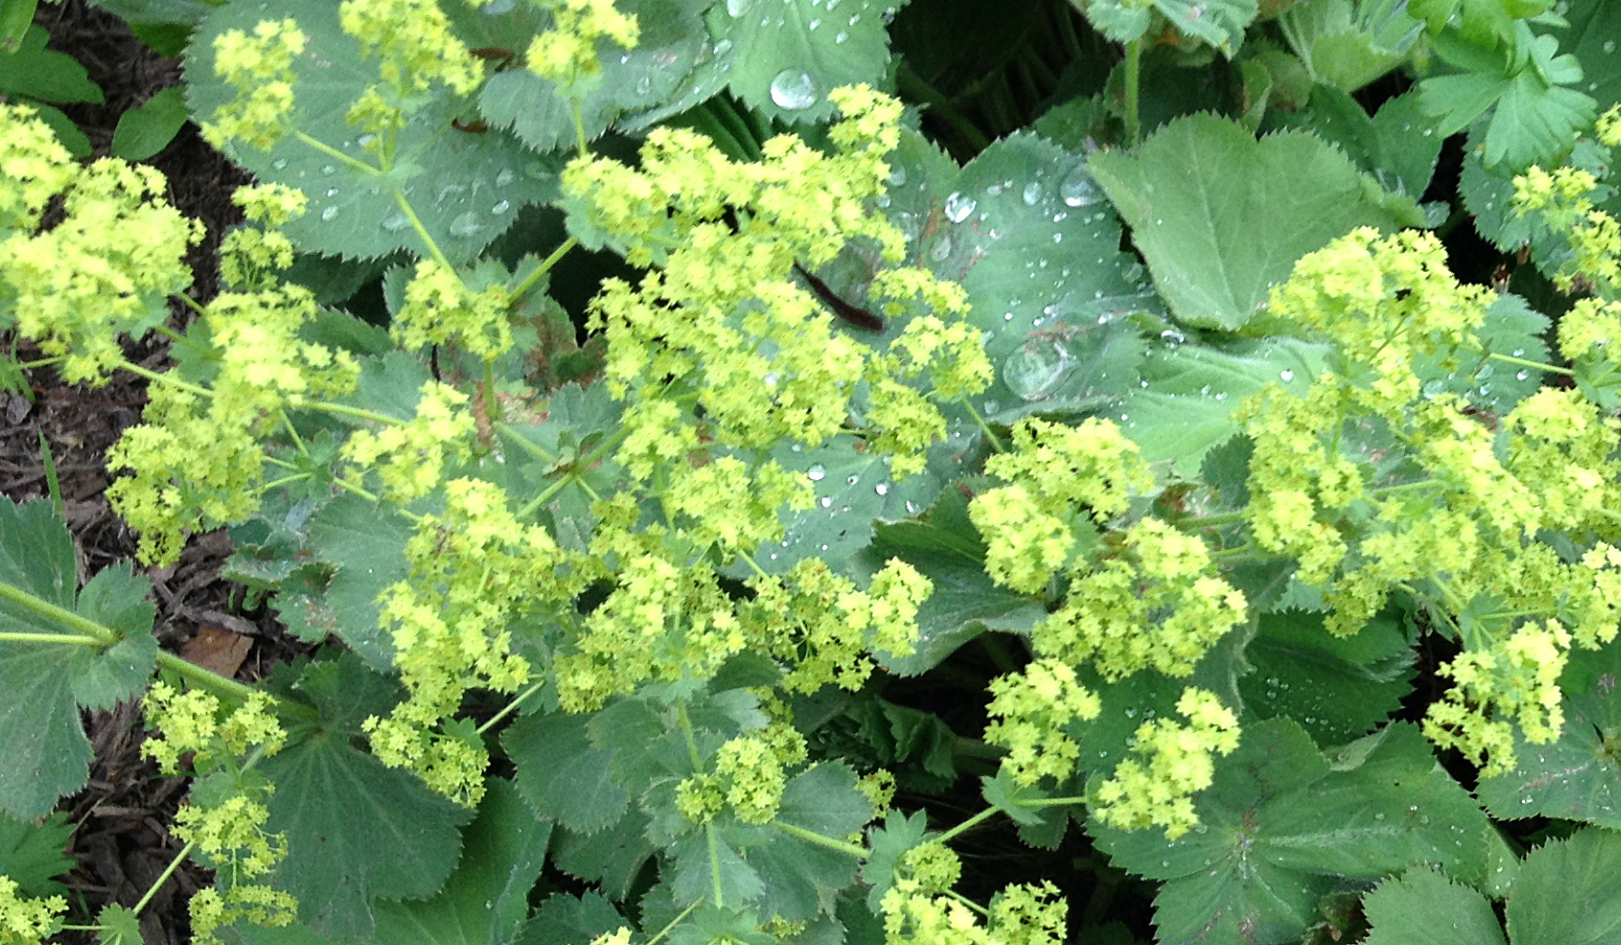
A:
x,y
122,841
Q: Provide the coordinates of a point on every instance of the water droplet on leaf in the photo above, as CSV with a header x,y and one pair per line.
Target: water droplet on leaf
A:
x,y
1036,368
958,207
1077,189
793,89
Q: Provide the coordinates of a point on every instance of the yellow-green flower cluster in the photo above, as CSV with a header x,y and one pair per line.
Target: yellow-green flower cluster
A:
x,y
1563,200
475,569
932,868
667,620
663,621
753,778
1514,678
1384,302
105,270
1020,915
725,323
251,256
231,838
949,356
25,921
1033,710
824,628
1054,471
410,456
414,42
260,68
567,52
1171,763
441,309
1155,603
191,723
730,506
36,167
1591,596
263,367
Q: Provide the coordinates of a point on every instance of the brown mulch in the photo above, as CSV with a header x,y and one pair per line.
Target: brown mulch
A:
x,y
122,841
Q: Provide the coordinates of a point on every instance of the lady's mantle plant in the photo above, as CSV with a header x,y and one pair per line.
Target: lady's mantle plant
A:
x,y
608,625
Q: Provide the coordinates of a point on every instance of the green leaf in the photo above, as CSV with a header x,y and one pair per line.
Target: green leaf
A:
x,y
946,548
1577,777
562,775
366,544
465,188
118,600
1538,113
1348,45
1591,39
1042,825
709,866
33,71
356,830
31,854
41,736
614,857
888,844
1336,688
565,920
1282,826
119,925
789,55
1184,404
148,128
1565,894
1207,211
486,899
1424,907
1026,231
802,878
16,16
1536,122
672,40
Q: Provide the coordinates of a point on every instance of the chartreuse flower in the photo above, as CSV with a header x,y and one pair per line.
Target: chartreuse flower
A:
x,y
229,834
191,724
232,839
263,367
411,457
724,322
1563,200
1032,712
251,257
37,168
260,68
567,52
414,43
1171,762
104,271
440,309
475,570
1019,915
25,921
1455,517
1515,678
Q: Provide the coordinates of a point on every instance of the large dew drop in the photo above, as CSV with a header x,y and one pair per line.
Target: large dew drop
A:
x,y
738,7
1036,368
395,222
1077,189
793,89
958,207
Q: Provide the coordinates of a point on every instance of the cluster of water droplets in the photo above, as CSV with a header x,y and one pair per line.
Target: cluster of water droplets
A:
x,y
794,88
